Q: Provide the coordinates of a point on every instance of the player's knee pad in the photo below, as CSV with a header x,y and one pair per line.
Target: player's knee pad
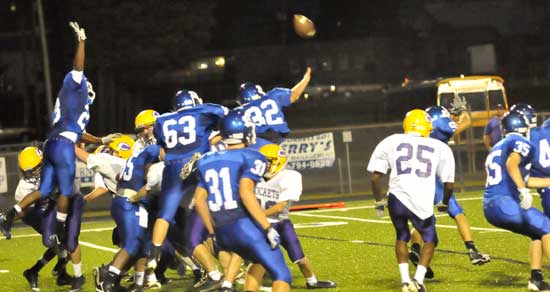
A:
x,y
131,247
454,208
300,261
48,241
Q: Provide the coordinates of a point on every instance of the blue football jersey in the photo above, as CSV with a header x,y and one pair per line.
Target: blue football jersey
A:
x,y
443,129
185,132
220,173
267,113
499,182
71,111
540,138
133,174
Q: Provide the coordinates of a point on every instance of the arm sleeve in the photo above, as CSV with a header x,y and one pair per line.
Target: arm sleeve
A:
x,y
379,159
154,176
291,187
280,95
98,181
254,168
446,166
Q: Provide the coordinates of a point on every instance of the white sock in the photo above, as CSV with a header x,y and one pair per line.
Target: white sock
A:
x,y
404,272
77,268
17,208
215,275
61,217
420,273
227,284
138,278
311,280
189,262
114,270
151,278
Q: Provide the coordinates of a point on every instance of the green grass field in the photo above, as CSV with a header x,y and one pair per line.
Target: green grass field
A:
x,y
358,254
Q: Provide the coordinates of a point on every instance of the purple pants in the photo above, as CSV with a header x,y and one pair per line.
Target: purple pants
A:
x,y
289,240
74,219
194,232
400,215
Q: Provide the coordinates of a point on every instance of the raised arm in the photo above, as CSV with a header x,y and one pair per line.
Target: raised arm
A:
x,y
297,90
78,63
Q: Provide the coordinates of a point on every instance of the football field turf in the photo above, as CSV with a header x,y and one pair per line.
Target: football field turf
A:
x,y
350,246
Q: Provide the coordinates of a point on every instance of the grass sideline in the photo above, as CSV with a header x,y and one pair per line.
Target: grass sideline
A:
x,y
358,254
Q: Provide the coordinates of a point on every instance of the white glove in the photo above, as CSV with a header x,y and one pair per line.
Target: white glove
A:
x,y
189,167
273,237
80,33
109,138
525,198
379,208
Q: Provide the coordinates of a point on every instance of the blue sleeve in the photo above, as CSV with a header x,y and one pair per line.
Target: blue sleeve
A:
x,y
254,166
69,82
280,95
157,132
521,146
153,153
215,109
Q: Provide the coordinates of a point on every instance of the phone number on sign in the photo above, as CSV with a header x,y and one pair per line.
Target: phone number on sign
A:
x,y
310,164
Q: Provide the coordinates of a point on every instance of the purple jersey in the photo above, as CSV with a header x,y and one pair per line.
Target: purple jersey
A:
x,y
220,174
186,131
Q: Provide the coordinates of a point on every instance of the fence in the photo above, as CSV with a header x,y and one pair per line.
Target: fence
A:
x,y
346,176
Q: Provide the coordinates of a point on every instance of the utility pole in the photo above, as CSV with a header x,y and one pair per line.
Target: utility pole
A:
x,y
45,56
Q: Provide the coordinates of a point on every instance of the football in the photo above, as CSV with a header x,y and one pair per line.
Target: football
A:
x,y
303,26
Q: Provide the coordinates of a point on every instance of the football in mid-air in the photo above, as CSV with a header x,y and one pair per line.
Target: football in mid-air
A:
x,y
303,26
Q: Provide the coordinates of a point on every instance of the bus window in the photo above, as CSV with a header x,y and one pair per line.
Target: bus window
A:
x,y
495,97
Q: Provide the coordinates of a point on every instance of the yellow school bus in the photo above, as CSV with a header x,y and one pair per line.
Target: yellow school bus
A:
x,y
482,95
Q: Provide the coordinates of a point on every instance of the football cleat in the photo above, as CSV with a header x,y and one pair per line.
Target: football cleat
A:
x,y
77,283
5,225
417,287
135,288
152,285
415,259
211,285
477,258
200,277
162,278
541,285
32,278
63,278
321,284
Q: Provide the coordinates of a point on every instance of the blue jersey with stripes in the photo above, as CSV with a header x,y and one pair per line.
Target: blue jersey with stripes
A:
x,y
71,112
267,113
499,183
443,129
220,174
540,138
186,131
133,174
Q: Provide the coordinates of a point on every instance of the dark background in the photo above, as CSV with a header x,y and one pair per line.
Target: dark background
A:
x,y
140,52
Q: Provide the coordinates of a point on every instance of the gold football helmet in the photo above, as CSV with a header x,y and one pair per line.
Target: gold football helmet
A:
x,y
276,159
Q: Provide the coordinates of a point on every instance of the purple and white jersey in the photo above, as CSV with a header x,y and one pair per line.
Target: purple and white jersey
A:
x,y
106,168
415,162
285,186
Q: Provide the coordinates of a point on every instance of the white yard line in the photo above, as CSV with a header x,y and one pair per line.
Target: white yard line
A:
x,y
389,222
367,207
95,246
81,231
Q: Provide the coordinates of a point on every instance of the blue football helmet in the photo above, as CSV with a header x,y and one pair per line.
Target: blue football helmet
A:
x,y
249,92
437,112
236,128
187,99
527,111
514,122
